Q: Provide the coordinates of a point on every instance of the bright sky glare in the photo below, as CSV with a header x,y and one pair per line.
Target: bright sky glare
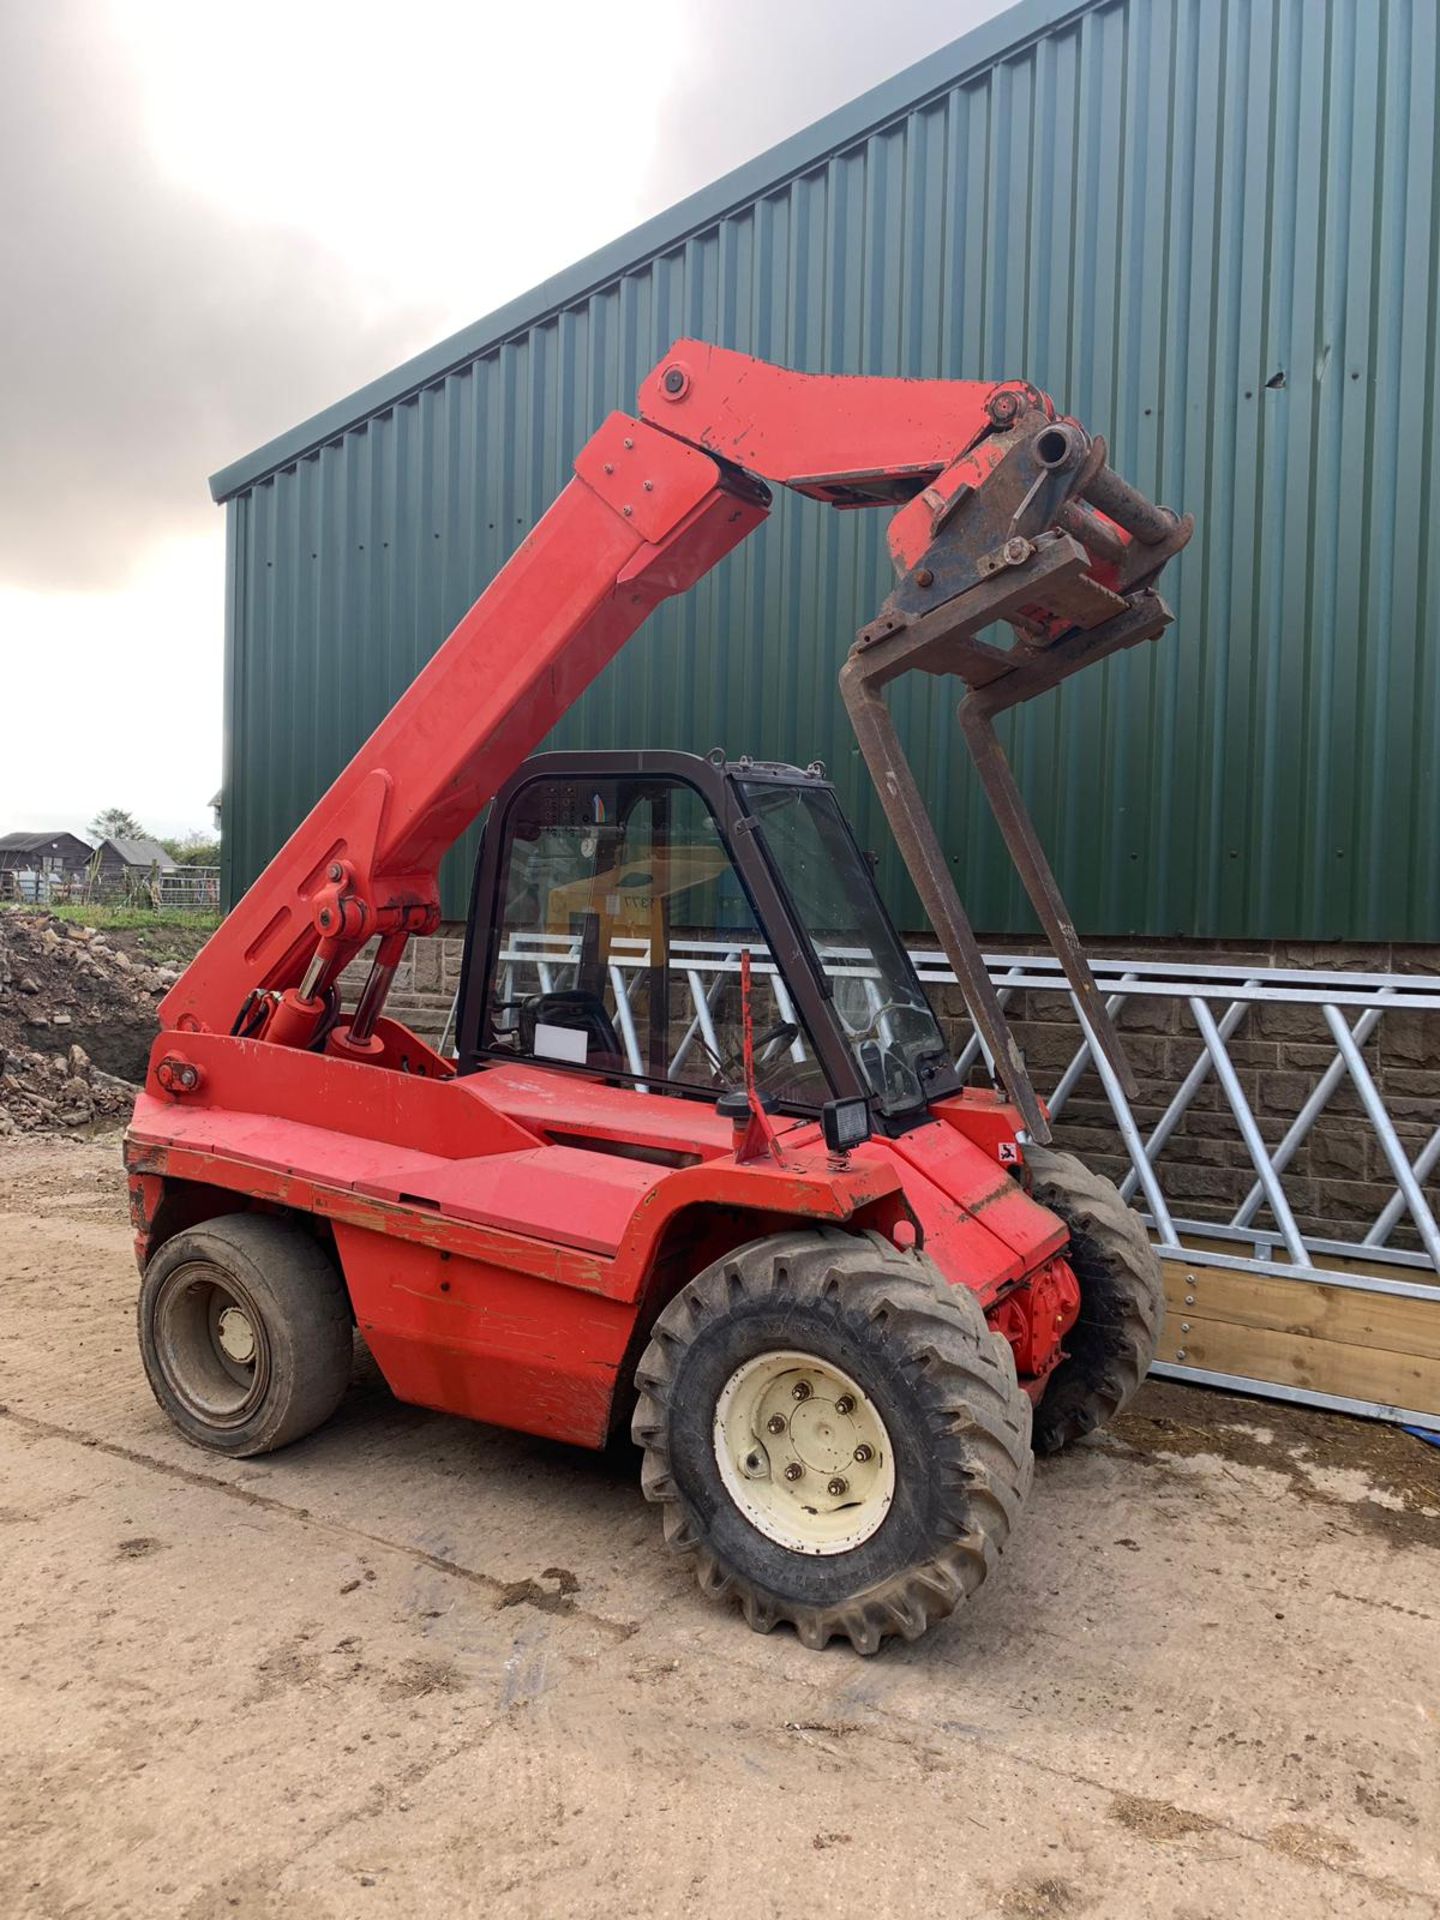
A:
x,y
231,219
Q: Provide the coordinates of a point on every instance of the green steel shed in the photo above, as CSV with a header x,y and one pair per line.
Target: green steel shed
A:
x,y
1211,228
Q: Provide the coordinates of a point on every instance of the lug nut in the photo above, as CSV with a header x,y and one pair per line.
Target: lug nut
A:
x,y
845,1404
794,1470
838,1486
800,1390
776,1423
864,1453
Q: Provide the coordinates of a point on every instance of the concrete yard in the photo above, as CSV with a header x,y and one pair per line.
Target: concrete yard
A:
x,y
413,1666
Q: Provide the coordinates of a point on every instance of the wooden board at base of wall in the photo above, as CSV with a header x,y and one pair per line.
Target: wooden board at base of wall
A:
x,y
1342,1341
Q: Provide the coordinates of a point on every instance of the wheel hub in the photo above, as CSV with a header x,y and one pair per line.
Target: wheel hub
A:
x,y
211,1344
804,1453
236,1335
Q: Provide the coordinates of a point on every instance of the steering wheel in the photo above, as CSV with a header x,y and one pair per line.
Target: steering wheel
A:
x,y
871,1029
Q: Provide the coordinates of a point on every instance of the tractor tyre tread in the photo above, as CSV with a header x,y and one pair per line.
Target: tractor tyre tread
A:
x,y
975,1416
1122,1300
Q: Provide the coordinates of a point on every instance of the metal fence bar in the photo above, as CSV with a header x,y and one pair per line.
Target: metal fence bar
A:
x,y
1385,1132
975,1046
788,1014
1070,1079
1300,1126
1249,1130
1389,1217
625,1014
702,998
1183,1097
1129,1132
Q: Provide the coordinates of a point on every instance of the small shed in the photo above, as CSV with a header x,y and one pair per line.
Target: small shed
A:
x,y
131,859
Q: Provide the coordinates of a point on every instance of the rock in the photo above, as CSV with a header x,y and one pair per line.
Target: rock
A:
x,y
27,983
49,939
120,958
36,1019
79,1062
7,1123
167,976
76,1096
83,934
60,1020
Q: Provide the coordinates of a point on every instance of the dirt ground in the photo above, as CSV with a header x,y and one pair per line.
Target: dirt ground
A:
x,y
414,1666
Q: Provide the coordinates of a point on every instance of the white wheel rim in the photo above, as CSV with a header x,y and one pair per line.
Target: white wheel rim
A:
x,y
803,1453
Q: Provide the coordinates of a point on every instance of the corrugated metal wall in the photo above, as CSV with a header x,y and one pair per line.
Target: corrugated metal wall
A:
x,y
1209,227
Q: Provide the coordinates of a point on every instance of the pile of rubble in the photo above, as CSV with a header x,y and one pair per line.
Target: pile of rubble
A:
x,y
77,1016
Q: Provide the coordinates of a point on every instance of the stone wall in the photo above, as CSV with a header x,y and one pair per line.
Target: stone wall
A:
x,y
1337,1182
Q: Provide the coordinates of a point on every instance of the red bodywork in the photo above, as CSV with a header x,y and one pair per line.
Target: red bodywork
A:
x,y
496,1270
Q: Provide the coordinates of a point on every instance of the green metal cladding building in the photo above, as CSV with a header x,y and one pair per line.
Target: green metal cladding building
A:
x,y
1211,228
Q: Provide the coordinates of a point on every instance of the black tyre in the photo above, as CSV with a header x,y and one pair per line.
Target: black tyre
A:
x,y
835,1436
1122,1300
245,1333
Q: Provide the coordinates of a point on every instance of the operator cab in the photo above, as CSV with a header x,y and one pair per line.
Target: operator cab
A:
x,y
614,897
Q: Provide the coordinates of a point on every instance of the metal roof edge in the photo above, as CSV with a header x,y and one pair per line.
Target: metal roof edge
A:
x,y
1002,34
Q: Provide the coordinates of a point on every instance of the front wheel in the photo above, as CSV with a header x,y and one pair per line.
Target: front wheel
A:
x,y
835,1436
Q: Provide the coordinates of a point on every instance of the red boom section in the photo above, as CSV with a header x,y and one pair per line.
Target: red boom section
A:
x,y
644,518
849,439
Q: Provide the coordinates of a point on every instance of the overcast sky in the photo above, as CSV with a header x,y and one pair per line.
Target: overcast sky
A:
x,y
217,219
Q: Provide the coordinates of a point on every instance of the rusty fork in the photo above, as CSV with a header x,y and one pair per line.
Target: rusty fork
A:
x,y
1065,551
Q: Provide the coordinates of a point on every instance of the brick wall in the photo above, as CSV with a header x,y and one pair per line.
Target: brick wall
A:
x,y
1337,1182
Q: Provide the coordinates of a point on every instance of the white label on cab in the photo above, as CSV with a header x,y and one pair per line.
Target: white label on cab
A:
x,y
561,1043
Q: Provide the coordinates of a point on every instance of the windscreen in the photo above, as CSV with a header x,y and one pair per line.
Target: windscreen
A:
x,y
882,1008
621,926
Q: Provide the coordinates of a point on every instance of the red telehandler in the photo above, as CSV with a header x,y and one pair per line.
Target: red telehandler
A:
x,y
703,1161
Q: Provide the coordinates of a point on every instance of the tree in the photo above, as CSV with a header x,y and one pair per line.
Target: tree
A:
x,y
195,850
116,823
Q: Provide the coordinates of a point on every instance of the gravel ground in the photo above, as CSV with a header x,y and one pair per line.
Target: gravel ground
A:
x,y
414,1666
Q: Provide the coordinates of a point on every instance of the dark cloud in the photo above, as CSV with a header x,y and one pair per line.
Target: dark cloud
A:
x,y
145,339
763,69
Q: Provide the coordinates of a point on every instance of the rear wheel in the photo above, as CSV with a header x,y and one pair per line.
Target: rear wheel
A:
x,y
245,1333
835,1437
1122,1300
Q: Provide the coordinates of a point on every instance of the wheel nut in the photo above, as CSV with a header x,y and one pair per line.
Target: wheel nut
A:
x,y
794,1470
800,1390
838,1486
845,1404
864,1453
776,1423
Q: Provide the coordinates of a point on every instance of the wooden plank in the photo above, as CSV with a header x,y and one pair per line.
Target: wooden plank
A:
x,y
1345,1316
1297,1360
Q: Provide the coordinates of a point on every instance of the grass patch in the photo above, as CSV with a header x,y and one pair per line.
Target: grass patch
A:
x,y
125,919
